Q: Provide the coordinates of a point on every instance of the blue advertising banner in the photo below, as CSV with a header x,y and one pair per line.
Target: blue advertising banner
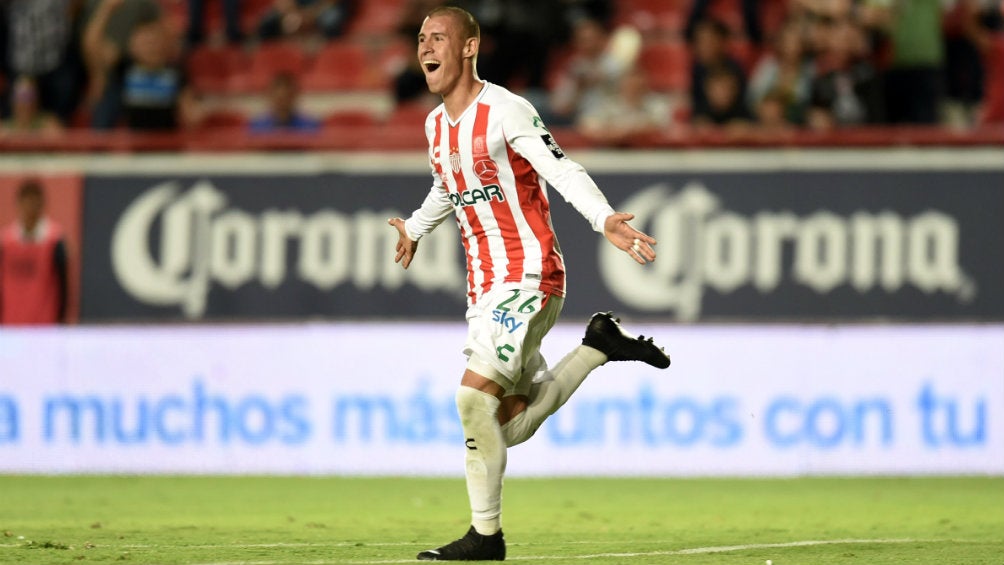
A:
x,y
786,400
810,245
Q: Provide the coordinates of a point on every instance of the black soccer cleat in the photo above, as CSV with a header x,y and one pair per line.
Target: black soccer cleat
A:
x,y
472,547
605,334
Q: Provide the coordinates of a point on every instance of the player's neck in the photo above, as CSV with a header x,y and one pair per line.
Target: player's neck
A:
x,y
461,96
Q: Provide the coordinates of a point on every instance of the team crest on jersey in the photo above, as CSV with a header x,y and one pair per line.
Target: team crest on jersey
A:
x,y
480,148
455,159
486,169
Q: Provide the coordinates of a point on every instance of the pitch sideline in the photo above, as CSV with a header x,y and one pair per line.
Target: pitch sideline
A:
x,y
623,555
605,555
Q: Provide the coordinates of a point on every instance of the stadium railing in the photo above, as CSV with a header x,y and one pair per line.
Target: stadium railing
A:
x,y
397,137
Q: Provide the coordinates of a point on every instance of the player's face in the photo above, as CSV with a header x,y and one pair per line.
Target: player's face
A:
x,y
441,53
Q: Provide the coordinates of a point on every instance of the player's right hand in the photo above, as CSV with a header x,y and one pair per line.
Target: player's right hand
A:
x,y
405,246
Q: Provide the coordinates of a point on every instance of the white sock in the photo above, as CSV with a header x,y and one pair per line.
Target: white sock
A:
x,y
547,396
486,457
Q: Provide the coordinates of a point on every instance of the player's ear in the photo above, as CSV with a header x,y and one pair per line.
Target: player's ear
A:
x,y
471,46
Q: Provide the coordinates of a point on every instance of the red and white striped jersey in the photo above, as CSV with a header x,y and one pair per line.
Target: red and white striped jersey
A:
x,y
489,167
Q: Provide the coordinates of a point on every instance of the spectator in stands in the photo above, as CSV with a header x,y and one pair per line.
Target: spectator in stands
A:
x,y
26,114
197,21
847,88
517,38
710,51
815,20
283,112
725,105
292,17
751,19
156,95
40,44
599,10
969,40
633,111
914,80
150,89
786,73
593,72
108,27
33,261
771,115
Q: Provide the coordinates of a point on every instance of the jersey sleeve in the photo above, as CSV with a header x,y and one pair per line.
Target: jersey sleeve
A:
x,y
436,206
527,135
434,209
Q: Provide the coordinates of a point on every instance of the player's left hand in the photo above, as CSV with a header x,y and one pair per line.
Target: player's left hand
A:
x,y
637,244
405,248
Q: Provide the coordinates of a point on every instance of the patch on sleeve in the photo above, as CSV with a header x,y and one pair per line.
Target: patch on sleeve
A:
x,y
552,145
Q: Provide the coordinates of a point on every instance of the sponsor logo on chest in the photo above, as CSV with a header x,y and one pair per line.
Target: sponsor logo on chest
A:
x,y
472,196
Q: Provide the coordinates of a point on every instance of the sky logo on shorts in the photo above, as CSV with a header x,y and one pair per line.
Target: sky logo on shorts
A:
x,y
506,320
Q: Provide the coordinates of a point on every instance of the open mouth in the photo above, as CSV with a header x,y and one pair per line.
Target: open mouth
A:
x,y
431,66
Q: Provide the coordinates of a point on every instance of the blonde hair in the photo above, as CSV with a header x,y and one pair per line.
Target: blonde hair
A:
x,y
468,25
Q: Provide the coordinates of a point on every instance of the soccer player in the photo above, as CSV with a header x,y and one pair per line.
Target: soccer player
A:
x,y
490,155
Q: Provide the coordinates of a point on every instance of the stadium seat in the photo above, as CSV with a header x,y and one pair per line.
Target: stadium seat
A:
x,y
349,118
993,90
267,61
410,115
745,53
377,17
730,13
393,57
211,69
667,65
252,12
342,65
175,14
224,119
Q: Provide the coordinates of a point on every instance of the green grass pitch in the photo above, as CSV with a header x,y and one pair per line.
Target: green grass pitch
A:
x,y
277,520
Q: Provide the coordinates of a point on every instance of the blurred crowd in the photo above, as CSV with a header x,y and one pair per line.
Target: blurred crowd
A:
x,y
614,70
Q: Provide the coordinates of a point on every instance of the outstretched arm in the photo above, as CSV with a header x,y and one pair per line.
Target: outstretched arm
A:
x,y
536,145
637,244
435,208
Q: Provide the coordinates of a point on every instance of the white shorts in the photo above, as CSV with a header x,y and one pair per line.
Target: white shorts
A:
x,y
504,331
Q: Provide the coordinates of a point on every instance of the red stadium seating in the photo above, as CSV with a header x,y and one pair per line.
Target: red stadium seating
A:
x,y
342,65
267,61
224,119
376,17
350,118
667,65
409,115
251,11
993,95
212,69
